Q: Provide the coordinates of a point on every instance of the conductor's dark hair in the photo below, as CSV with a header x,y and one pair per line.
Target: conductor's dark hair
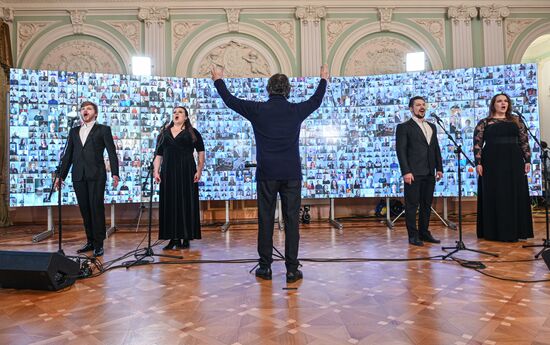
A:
x,y
278,84
411,101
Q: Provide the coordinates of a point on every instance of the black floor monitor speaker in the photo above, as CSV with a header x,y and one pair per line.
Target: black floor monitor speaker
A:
x,y
36,270
546,257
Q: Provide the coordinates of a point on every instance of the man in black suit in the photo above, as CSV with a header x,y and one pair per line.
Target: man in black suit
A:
x,y
419,158
276,124
85,147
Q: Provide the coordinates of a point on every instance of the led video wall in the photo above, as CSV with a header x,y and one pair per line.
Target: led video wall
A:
x,y
347,146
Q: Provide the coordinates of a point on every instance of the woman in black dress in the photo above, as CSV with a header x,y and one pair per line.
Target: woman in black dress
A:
x,y
502,154
178,175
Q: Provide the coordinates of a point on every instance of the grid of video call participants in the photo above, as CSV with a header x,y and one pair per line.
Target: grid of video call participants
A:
x,y
347,146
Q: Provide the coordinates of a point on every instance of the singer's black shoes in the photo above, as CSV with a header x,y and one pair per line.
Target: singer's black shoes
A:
x,y
292,277
171,245
264,273
182,244
429,238
415,242
88,247
98,252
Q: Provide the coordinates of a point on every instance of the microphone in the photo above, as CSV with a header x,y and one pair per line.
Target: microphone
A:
x,y
163,126
76,122
437,118
515,111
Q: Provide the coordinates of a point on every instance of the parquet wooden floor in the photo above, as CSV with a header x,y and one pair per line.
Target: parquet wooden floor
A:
x,y
375,302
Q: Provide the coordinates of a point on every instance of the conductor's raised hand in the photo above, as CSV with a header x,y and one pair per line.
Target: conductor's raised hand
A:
x,y
324,72
217,72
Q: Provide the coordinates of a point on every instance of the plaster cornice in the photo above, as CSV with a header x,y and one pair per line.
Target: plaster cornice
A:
x,y
262,4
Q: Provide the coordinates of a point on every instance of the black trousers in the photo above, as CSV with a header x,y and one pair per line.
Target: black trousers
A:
x,y
419,194
90,197
290,192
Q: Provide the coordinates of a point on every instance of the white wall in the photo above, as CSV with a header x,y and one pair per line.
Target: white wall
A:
x,y
544,99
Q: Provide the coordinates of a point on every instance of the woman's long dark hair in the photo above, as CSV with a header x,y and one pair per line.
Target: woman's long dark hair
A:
x,y
508,114
187,124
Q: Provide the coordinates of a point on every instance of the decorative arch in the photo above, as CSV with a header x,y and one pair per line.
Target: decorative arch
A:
x,y
378,54
188,60
342,47
32,58
525,40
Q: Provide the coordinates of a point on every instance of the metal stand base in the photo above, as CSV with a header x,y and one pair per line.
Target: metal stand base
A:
x,y
111,231
277,255
451,225
113,227
545,245
48,233
461,246
332,221
142,209
148,253
390,223
43,235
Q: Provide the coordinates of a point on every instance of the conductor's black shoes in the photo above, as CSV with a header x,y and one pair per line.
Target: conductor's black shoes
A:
x,y
291,277
264,273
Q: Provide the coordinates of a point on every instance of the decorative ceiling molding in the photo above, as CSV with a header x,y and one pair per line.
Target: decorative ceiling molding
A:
x,y
382,55
187,61
335,27
77,20
232,19
153,15
81,56
494,14
6,15
129,29
238,60
462,14
310,14
262,4
26,31
286,29
514,27
385,16
181,29
436,28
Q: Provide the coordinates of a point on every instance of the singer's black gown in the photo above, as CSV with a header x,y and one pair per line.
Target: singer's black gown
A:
x,y
503,203
179,214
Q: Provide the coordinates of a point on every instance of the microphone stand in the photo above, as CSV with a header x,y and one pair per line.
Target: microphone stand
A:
x,y
146,180
544,157
148,251
57,177
459,244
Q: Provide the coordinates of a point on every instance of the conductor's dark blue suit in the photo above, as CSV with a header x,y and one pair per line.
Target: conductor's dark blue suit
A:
x,y
276,124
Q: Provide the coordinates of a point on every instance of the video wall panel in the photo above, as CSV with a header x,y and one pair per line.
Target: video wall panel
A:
x,y
347,146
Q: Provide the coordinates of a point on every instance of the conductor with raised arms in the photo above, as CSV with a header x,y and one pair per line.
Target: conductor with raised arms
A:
x,y
276,124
